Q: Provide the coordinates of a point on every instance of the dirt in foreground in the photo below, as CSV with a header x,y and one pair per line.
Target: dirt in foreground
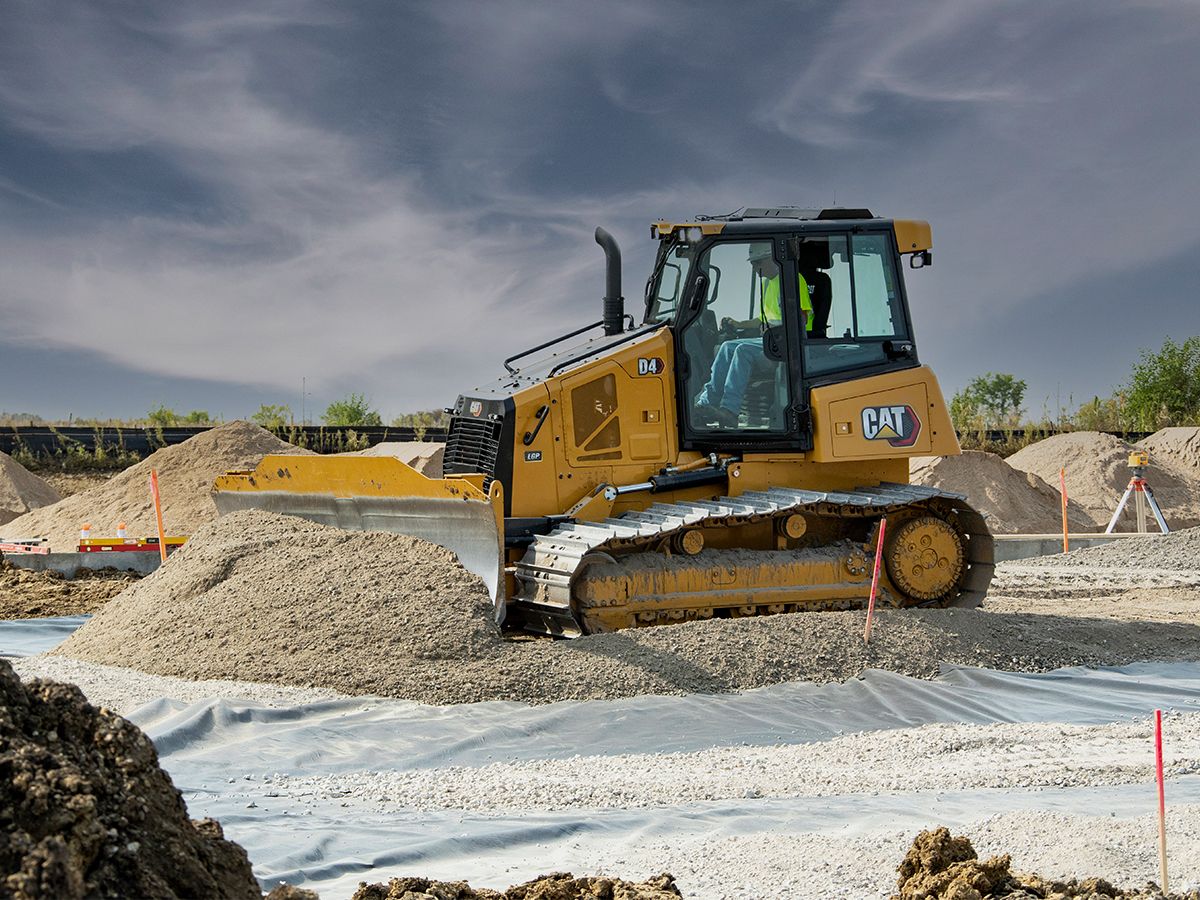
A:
x,y
559,886
88,812
940,866
25,594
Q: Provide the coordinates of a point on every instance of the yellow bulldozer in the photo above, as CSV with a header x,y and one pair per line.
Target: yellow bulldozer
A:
x,y
731,455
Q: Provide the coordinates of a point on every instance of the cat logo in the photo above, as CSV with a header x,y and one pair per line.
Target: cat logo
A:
x,y
476,407
651,366
898,425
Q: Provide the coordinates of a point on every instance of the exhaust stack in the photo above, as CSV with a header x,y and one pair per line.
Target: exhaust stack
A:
x,y
614,303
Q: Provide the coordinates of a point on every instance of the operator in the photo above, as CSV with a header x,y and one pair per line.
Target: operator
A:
x,y
721,398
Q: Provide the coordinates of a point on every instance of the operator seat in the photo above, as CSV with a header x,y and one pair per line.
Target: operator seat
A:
x,y
811,260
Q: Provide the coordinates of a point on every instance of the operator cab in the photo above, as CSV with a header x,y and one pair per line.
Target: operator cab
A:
x,y
767,303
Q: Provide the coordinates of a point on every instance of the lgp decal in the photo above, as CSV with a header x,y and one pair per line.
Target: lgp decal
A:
x,y
533,456
898,425
651,366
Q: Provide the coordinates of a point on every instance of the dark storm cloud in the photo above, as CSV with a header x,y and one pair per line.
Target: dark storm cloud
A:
x,y
396,196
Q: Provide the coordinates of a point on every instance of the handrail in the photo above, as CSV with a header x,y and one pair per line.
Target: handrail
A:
x,y
551,343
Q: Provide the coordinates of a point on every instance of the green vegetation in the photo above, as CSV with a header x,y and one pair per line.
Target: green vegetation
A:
x,y
165,417
422,421
353,410
1164,387
989,401
272,416
71,456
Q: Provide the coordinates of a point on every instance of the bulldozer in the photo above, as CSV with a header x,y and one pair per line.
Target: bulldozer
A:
x,y
732,454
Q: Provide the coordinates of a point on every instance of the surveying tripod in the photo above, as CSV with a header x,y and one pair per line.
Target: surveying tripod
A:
x,y
1143,496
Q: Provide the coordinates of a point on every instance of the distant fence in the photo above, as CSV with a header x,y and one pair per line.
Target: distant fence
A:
x,y
41,440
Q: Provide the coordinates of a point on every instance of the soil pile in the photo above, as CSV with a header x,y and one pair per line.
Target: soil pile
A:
x,y
1178,445
1179,550
1098,472
185,476
21,491
260,597
424,456
1013,501
939,866
87,812
559,886
25,594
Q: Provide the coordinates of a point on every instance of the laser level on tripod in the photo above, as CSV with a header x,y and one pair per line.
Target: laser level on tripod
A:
x,y
1143,496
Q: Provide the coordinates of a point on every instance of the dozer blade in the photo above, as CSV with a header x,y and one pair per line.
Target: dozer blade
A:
x,y
380,494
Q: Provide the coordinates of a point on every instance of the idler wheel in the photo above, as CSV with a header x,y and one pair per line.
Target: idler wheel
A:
x,y
925,557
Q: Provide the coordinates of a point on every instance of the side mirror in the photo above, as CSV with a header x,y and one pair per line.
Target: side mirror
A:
x,y
699,293
920,260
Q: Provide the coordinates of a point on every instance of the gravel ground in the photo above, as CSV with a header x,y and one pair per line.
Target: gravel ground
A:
x,y
935,758
124,690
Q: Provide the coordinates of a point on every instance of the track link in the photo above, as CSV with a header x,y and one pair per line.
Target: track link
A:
x,y
546,575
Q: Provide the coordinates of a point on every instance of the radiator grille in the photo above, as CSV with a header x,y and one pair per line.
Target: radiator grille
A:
x,y
473,445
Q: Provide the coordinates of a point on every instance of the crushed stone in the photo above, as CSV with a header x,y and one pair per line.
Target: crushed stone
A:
x,y
1014,501
940,866
21,491
88,812
26,594
185,476
1097,473
1179,445
559,886
274,599
1179,551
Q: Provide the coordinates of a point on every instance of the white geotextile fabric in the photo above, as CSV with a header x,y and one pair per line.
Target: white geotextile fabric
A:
x,y
210,747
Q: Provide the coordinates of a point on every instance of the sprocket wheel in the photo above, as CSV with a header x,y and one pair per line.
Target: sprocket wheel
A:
x,y
925,558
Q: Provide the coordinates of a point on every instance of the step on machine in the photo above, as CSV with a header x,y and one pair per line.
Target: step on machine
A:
x,y
1143,496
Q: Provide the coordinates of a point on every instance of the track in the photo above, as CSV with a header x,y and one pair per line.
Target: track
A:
x,y
548,575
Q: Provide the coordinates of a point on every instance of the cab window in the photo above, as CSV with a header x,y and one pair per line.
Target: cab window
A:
x,y
856,301
737,370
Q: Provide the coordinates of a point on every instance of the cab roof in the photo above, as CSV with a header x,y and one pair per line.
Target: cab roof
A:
x,y
912,235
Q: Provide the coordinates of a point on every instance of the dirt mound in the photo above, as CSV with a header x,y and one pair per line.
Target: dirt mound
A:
x,y
424,456
939,866
87,812
559,886
1014,502
260,597
25,594
1178,445
185,476
1098,472
21,491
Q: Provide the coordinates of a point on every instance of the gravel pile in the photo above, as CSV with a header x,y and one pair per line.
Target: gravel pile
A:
x,y
274,599
939,866
185,476
21,491
1013,501
25,594
87,812
1178,551
1098,472
559,886
260,597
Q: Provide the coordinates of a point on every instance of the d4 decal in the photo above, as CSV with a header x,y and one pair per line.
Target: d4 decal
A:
x,y
898,425
651,366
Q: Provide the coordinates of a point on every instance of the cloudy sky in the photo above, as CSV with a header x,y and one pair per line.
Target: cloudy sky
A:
x,y
203,204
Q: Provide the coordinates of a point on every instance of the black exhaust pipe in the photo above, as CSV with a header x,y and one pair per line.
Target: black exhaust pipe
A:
x,y
614,303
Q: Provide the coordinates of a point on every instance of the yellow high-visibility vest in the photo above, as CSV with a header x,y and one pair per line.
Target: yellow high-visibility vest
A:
x,y
770,302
